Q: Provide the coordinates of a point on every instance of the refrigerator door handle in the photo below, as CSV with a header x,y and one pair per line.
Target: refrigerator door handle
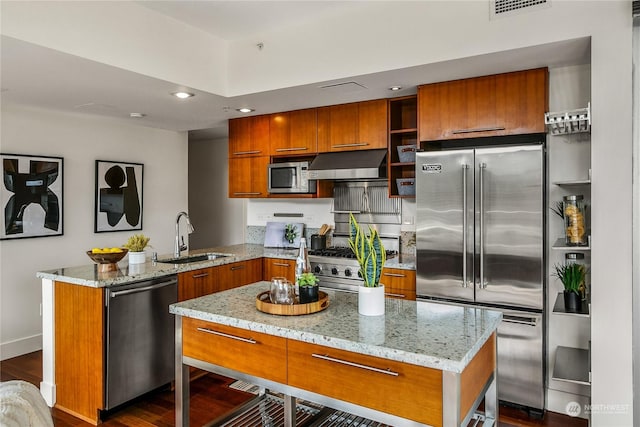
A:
x,y
465,167
482,284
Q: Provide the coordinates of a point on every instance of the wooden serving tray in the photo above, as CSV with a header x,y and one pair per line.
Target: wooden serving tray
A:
x,y
264,304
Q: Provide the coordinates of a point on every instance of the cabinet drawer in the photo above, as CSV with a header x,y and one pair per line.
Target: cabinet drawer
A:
x,y
405,390
399,283
242,350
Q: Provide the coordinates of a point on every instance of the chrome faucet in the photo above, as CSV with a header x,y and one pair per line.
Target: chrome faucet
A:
x,y
181,247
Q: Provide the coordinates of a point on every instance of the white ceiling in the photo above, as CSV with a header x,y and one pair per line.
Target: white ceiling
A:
x,y
36,76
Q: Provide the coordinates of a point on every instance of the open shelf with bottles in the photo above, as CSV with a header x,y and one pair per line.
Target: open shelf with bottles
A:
x,y
567,122
403,142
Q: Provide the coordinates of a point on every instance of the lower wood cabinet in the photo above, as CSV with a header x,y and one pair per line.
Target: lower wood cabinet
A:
x,y
405,390
399,283
197,283
239,273
279,267
242,350
79,344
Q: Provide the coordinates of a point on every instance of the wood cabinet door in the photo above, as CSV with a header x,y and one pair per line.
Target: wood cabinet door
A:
x,y
249,136
248,177
496,105
277,267
373,123
399,283
523,99
79,350
293,132
197,283
338,128
239,273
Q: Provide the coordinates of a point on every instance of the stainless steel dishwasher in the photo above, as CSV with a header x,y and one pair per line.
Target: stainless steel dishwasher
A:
x,y
140,334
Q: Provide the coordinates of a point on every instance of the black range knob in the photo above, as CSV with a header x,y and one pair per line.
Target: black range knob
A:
x,y
347,272
318,269
334,271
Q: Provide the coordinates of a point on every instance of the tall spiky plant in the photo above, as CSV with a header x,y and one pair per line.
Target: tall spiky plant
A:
x,y
369,252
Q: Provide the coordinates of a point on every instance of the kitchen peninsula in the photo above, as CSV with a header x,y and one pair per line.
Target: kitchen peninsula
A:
x,y
421,363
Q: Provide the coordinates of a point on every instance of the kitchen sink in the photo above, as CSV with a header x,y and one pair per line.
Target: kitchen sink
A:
x,y
210,256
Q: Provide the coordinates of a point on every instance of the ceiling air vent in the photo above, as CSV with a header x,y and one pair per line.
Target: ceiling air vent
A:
x,y
500,8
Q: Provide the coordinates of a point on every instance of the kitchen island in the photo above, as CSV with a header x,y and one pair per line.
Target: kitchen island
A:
x,y
420,364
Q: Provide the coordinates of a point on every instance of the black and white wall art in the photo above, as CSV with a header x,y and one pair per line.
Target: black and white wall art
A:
x,y
31,196
118,204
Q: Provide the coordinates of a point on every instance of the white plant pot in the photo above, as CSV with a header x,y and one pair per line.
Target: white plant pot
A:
x,y
371,300
137,257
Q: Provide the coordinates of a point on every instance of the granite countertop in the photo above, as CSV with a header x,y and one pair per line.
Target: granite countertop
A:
x,y
88,275
438,336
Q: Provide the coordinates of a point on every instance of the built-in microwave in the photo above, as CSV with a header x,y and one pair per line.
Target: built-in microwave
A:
x,y
290,177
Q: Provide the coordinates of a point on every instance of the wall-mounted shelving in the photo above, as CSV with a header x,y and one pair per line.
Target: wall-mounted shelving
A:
x,y
403,132
558,307
561,245
567,122
572,365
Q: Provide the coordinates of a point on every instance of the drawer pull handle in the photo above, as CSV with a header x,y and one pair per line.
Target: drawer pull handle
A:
x,y
240,153
246,194
387,371
395,295
281,264
292,149
362,144
394,275
477,130
233,337
237,267
198,276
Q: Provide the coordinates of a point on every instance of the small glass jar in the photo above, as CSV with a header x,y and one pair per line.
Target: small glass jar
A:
x,y
574,220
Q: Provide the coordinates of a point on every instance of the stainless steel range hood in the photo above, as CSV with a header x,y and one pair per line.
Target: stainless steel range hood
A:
x,y
365,164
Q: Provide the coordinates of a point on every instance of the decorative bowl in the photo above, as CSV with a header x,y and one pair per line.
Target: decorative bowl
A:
x,y
107,260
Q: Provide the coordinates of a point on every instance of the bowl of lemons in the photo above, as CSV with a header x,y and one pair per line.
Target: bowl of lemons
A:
x,y
107,257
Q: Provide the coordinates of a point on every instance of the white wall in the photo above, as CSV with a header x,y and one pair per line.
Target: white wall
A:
x,y
81,140
217,219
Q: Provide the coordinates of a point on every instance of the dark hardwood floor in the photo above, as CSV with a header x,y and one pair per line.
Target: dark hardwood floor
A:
x,y
210,397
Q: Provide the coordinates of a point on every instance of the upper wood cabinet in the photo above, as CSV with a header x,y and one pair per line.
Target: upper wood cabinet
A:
x,y
355,126
293,132
496,105
248,177
249,136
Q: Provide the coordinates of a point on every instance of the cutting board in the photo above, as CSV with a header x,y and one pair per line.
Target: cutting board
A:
x,y
274,235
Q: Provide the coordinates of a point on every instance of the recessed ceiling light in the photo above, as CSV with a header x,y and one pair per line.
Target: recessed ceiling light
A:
x,y
182,95
395,88
245,110
137,115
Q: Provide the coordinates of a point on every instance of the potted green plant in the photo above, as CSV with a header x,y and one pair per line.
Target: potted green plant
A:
x,y
308,288
572,277
371,256
136,245
290,232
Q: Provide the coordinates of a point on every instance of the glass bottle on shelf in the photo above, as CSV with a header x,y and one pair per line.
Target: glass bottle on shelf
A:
x,y
302,261
574,220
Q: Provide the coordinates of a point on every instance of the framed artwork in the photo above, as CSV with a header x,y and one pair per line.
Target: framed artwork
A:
x,y
31,196
118,205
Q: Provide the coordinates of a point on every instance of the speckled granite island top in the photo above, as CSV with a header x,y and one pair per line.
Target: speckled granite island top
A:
x,y
438,336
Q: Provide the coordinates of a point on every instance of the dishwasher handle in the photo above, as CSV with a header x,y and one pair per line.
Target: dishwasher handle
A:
x,y
115,294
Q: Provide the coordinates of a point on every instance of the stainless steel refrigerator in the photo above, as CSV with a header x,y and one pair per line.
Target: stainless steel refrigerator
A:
x,y
480,221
